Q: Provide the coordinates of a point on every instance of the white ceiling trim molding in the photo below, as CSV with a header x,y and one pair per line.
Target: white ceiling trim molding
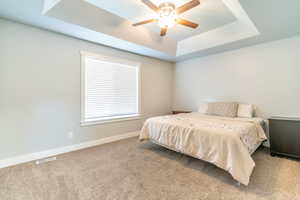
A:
x,y
241,29
49,4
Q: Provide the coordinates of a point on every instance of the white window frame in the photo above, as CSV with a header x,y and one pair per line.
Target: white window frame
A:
x,y
102,120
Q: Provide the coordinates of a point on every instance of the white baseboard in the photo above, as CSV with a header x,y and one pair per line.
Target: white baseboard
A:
x,y
52,152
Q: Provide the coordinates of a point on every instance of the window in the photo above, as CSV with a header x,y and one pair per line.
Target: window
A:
x,y
110,89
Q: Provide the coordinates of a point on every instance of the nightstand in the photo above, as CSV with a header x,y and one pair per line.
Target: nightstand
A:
x,y
180,111
285,136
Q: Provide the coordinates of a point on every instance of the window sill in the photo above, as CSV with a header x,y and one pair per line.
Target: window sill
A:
x,y
110,120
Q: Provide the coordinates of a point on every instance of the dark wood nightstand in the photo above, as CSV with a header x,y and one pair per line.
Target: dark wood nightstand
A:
x,y
174,112
285,136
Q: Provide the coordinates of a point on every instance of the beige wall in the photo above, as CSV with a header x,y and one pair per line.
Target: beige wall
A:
x,y
40,90
267,75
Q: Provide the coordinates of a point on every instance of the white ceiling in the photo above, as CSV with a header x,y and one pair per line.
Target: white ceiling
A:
x,y
103,21
210,14
224,24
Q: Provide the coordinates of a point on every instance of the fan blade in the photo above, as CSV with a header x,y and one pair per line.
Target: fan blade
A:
x,y
186,23
163,31
145,22
187,6
151,5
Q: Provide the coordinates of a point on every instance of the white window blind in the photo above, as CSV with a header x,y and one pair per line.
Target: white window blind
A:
x,y
111,89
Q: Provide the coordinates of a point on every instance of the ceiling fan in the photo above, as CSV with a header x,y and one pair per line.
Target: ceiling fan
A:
x,y
168,15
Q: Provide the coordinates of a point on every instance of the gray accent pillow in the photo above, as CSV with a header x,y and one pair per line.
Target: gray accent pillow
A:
x,y
226,109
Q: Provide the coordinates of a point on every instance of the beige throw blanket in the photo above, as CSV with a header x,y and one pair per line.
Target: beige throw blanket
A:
x,y
226,142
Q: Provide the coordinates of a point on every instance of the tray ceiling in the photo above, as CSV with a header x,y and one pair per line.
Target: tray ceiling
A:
x,y
209,15
223,24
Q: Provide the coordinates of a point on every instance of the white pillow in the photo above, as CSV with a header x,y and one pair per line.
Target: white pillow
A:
x,y
203,107
245,110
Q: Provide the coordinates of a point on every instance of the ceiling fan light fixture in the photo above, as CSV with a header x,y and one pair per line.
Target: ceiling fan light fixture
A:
x,y
167,21
167,15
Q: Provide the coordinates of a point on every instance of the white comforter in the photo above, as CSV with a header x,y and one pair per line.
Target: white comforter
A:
x,y
226,142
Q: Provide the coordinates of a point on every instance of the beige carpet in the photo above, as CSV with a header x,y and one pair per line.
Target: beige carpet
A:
x,y
132,170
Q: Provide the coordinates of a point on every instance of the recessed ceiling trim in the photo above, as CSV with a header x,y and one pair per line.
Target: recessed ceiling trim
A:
x,y
49,4
241,29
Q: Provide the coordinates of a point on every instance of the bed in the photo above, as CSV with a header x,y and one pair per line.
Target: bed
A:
x,y
227,142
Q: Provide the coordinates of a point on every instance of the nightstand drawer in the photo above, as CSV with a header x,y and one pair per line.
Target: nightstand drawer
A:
x,y
285,136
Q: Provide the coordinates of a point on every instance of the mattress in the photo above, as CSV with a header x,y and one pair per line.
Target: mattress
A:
x,y
225,142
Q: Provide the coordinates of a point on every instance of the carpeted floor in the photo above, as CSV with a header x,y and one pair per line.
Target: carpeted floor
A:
x,y
129,169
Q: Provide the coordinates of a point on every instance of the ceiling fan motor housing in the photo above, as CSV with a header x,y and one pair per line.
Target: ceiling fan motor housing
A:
x,y
167,4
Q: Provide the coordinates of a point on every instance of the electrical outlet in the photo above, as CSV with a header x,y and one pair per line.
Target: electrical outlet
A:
x,y
70,135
